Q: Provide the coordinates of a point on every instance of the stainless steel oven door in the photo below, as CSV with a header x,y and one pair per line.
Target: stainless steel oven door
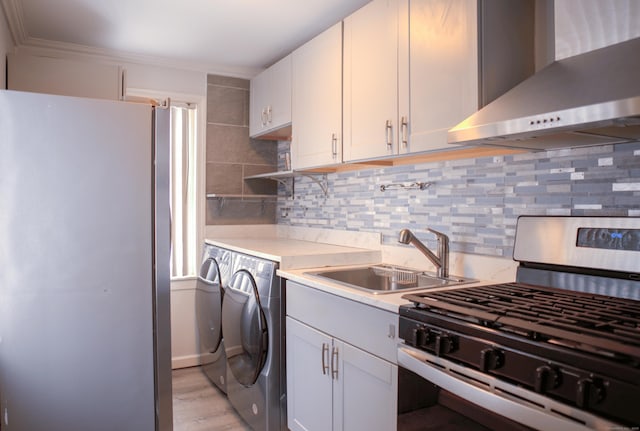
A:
x,y
498,397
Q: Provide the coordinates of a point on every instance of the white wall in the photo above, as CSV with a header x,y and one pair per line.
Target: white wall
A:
x,y
184,86
154,78
184,340
6,46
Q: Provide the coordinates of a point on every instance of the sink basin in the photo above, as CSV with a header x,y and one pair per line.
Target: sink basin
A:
x,y
381,279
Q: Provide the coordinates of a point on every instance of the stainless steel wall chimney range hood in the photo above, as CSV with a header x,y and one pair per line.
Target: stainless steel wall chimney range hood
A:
x,y
587,99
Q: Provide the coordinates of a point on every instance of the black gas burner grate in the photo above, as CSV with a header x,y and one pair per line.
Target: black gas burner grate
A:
x,y
591,322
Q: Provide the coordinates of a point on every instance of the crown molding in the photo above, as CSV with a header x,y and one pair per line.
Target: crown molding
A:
x,y
13,13
82,52
23,42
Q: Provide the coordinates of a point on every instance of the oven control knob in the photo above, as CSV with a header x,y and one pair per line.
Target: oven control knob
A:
x,y
419,336
491,359
423,337
589,392
445,343
547,378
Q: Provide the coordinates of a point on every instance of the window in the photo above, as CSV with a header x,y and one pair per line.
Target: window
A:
x,y
184,232
186,176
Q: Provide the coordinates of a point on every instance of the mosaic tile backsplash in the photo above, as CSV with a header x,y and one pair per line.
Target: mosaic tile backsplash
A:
x,y
476,202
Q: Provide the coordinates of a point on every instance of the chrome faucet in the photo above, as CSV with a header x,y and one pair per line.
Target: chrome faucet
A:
x,y
441,259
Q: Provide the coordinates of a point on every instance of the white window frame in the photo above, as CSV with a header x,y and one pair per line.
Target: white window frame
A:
x,y
201,104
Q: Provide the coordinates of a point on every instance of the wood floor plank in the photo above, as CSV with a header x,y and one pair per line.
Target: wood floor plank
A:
x,y
200,406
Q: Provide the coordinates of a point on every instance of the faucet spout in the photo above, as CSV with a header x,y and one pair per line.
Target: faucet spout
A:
x,y
440,260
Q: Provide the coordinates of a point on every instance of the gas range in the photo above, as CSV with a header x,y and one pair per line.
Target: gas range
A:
x,y
564,338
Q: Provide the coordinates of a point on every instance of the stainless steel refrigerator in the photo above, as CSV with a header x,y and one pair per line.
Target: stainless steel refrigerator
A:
x,y
84,265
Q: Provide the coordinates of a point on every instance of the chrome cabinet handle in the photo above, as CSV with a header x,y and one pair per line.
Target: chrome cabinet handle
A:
x,y
269,114
334,145
389,130
325,367
334,365
263,116
404,129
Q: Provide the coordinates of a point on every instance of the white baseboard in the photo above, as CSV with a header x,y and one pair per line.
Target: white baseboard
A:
x,y
185,361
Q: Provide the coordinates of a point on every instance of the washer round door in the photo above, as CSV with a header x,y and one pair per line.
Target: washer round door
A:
x,y
209,307
245,328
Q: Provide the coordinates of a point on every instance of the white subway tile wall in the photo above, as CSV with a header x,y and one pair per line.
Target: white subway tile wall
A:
x,y
474,201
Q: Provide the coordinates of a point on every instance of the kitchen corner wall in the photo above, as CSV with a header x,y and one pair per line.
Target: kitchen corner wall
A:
x,y
6,46
474,201
232,155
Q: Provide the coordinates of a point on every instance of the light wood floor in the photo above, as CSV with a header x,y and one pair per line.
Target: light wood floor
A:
x,y
199,406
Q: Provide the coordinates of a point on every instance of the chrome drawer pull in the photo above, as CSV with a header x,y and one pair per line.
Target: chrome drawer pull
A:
x,y
389,130
325,367
334,365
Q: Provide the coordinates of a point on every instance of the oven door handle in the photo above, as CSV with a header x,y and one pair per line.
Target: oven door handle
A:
x,y
447,375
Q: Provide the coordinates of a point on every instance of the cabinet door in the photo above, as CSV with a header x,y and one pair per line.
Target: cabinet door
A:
x,y
270,100
258,101
279,106
371,81
365,392
317,101
442,73
309,382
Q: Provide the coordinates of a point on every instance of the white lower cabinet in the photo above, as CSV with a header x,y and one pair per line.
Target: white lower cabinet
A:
x,y
309,381
333,384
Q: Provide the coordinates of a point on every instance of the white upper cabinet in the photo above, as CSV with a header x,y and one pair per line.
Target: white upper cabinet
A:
x,y
371,81
63,77
317,101
270,101
410,73
439,79
396,75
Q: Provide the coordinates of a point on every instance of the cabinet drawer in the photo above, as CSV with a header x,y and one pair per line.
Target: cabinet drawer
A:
x,y
366,327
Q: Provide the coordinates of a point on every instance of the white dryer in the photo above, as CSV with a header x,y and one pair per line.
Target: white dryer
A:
x,y
253,326
215,272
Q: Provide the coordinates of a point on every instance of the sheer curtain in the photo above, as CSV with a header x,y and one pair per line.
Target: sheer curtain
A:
x,y
183,190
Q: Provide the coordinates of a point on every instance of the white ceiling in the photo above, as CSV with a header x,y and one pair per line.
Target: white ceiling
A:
x,y
201,34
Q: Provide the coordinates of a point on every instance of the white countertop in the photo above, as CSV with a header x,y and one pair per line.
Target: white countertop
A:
x,y
302,250
387,301
295,254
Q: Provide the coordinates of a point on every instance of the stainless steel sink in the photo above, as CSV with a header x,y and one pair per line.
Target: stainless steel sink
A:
x,y
381,279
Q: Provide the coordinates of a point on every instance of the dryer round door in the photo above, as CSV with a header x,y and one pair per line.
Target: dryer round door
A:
x,y
209,307
245,328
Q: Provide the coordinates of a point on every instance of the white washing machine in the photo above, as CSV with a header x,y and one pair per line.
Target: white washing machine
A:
x,y
215,273
253,326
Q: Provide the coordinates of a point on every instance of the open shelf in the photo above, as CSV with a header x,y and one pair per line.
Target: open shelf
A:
x,y
239,196
222,198
272,175
287,179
